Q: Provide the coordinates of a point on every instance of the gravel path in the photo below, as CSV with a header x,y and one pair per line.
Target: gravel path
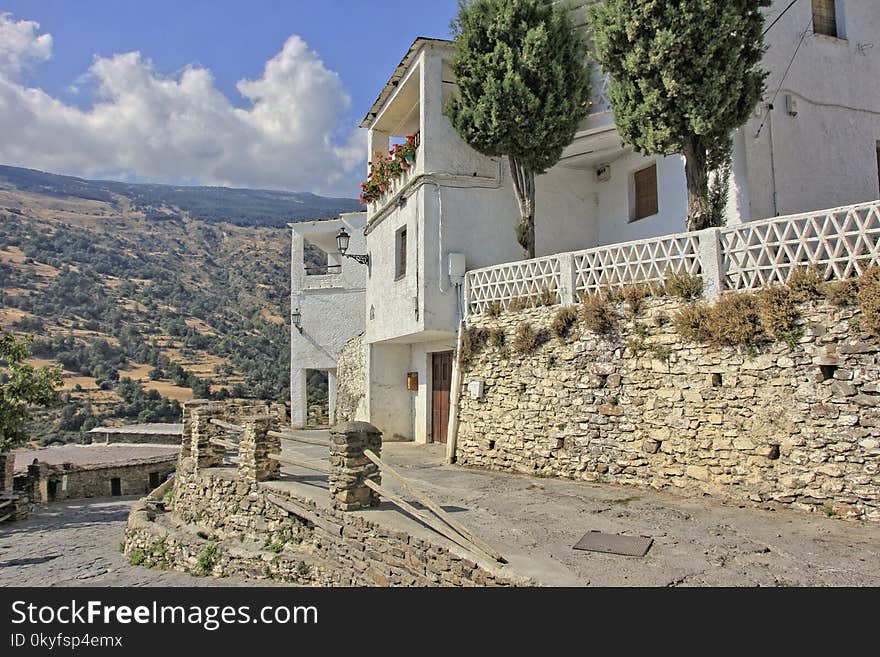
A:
x,y
76,543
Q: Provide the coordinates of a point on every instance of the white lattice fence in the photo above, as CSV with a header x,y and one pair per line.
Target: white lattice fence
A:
x,y
842,241
642,261
528,281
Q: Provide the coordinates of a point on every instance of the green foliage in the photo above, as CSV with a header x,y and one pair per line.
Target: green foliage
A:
x,y
684,75
137,557
22,386
207,559
523,87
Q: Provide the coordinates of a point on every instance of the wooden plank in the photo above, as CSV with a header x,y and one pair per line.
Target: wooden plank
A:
x,y
227,425
438,527
6,517
317,467
286,435
292,507
4,504
225,443
436,508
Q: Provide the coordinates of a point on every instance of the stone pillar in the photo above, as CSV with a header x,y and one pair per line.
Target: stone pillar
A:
x,y
331,396
204,454
567,279
7,471
186,436
255,446
299,411
349,467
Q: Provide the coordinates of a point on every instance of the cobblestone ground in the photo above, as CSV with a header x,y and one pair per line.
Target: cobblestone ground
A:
x,y
76,543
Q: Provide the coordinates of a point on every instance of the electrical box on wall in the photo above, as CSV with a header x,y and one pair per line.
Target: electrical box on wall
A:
x,y
456,268
603,172
475,389
412,381
791,105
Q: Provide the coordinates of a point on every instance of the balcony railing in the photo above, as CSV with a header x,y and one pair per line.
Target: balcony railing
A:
x,y
843,242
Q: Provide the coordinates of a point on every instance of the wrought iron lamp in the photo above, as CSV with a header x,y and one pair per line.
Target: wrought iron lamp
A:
x,y
296,319
342,240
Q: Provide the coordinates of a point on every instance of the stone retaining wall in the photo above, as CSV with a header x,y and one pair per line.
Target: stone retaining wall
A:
x,y
798,426
223,526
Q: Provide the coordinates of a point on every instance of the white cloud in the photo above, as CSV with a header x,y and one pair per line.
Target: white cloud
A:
x,y
182,128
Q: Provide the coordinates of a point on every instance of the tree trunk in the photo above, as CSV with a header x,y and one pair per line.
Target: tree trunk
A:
x,y
696,171
524,189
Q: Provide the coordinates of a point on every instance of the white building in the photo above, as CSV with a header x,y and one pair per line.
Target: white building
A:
x,y
327,305
455,208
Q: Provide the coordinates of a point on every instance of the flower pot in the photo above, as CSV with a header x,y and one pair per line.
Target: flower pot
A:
x,y
409,158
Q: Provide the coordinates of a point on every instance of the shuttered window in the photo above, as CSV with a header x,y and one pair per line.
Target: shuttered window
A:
x,y
645,182
400,259
825,17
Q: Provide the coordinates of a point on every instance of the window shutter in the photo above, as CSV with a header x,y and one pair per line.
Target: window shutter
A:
x,y
646,192
825,17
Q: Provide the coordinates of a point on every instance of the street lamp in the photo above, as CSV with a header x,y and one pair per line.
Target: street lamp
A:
x,y
342,241
296,318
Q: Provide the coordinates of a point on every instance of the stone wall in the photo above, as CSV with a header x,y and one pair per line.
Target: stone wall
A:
x,y
245,533
46,483
351,381
798,426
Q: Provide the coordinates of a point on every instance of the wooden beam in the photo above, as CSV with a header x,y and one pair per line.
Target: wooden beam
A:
x,y
317,467
306,514
225,443
436,508
287,435
452,428
8,515
438,527
4,504
227,425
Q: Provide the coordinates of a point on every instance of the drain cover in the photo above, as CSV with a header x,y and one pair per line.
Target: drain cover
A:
x,y
628,546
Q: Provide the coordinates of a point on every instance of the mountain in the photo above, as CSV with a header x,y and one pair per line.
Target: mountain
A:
x,y
242,207
148,295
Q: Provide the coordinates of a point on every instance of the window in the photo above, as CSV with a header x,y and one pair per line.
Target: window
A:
x,y
645,198
154,480
400,258
825,17
115,486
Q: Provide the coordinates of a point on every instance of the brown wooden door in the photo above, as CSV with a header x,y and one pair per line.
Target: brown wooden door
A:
x,y
441,384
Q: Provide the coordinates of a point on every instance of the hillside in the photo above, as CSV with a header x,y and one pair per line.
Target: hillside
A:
x,y
143,303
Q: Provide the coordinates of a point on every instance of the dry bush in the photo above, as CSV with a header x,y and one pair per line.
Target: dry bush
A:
x,y
494,309
545,297
634,296
869,300
806,283
564,320
527,339
734,320
683,285
841,293
777,311
473,340
597,313
519,303
496,338
692,322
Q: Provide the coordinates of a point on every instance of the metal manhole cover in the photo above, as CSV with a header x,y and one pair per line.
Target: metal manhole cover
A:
x,y
627,546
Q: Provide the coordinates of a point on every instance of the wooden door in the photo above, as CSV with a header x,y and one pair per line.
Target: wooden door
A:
x,y
441,384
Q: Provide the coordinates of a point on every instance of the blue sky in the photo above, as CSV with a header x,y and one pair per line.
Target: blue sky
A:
x,y
102,87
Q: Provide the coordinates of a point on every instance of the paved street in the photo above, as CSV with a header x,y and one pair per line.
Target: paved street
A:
x,y
76,543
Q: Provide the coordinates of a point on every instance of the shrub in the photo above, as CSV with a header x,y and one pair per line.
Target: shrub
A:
x,y
597,314
734,320
494,309
806,283
692,322
777,311
207,559
527,339
546,297
634,295
519,303
496,337
683,285
564,320
473,340
136,557
840,293
869,300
